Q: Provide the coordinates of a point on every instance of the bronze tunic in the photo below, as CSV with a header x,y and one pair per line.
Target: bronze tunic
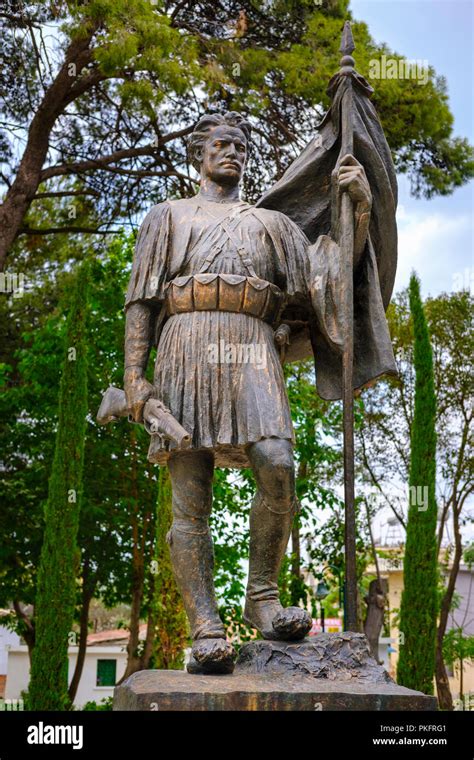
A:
x,y
218,371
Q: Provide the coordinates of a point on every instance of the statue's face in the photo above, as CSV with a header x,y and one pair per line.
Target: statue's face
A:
x,y
223,155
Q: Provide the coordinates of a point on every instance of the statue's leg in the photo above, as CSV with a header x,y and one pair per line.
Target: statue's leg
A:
x,y
271,518
192,556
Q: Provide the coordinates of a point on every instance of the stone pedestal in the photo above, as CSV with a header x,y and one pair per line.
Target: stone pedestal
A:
x,y
325,672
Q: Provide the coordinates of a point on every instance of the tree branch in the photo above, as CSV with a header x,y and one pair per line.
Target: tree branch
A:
x,y
376,483
118,155
59,230
65,194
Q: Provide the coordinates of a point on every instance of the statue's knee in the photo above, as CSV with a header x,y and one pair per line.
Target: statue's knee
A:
x,y
275,471
192,506
280,476
188,526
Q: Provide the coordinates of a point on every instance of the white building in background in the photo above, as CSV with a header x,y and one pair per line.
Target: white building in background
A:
x,y
104,665
7,639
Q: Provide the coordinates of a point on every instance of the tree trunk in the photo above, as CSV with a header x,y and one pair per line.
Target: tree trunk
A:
x,y
376,599
295,563
445,698
297,588
443,691
19,195
133,660
295,550
148,648
87,594
28,633
138,574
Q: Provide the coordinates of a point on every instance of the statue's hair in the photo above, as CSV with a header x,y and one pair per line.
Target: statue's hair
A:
x,y
205,126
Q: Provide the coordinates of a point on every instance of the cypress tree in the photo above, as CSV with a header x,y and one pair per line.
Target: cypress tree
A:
x,y
419,608
171,629
59,561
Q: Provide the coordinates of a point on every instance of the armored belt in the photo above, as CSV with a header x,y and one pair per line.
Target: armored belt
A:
x,y
224,292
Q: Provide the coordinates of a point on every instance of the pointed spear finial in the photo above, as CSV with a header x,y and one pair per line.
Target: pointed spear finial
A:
x,y
347,46
347,40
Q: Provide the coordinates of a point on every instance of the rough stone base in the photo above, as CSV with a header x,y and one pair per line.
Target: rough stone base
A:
x,y
325,672
332,656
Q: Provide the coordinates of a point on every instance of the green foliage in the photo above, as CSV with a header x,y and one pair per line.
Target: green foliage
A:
x,y
59,563
135,35
31,351
120,488
384,438
419,603
232,493
469,556
389,405
169,617
319,486
105,704
115,525
318,429
149,70
457,647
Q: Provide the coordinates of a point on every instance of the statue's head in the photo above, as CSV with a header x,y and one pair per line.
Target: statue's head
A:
x,y
218,147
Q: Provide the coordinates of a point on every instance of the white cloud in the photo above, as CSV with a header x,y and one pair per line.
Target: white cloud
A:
x,y
438,246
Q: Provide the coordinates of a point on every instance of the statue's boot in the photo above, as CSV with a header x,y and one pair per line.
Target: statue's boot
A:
x,y
269,533
193,563
192,557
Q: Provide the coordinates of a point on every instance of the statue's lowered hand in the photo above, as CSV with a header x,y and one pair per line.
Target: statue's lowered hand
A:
x,y
137,392
157,419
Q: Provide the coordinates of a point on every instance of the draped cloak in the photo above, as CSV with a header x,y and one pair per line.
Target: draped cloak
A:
x,y
306,194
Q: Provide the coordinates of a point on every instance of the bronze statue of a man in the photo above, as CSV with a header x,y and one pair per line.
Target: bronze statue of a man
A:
x,y
211,279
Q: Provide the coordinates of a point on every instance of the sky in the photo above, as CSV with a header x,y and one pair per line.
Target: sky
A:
x,y
436,236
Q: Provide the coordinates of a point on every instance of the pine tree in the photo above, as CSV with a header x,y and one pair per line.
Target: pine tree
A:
x,y
171,630
418,611
59,562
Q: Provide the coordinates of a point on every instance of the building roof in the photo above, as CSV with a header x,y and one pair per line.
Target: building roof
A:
x,y
115,634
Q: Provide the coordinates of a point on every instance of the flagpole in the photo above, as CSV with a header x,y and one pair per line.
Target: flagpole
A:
x,y
346,243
